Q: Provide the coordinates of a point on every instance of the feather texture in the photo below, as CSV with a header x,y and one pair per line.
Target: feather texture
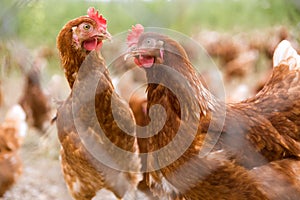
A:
x,y
95,126
12,132
259,133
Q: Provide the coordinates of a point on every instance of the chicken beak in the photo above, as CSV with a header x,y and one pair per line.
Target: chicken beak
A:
x,y
131,54
105,36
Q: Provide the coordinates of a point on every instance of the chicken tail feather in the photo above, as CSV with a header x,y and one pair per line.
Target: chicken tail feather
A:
x,y
286,54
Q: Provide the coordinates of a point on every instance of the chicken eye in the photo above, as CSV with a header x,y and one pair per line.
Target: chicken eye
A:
x,y
149,42
86,27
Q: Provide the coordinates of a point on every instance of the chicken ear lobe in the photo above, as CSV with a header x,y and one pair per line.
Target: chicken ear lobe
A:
x,y
159,46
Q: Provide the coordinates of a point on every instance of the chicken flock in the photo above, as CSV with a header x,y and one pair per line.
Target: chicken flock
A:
x,y
179,141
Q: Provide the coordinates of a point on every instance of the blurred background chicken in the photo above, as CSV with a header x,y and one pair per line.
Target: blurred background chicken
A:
x,y
138,106
242,56
34,100
12,132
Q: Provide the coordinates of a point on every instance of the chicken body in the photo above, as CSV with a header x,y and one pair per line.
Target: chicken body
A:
x,y
90,137
260,130
12,132
34,101
270,119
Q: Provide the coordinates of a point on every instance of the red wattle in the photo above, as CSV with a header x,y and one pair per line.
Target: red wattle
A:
x,y
137,62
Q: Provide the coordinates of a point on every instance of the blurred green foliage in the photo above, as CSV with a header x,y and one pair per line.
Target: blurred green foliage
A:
x,y
38,22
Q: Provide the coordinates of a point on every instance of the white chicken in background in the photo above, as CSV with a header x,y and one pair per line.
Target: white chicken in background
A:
x,y
12,132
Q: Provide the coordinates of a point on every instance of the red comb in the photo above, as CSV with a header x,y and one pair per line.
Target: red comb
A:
x,y
101,21
134,34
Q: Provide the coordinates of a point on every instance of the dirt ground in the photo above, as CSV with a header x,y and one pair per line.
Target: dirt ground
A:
x,y
42,178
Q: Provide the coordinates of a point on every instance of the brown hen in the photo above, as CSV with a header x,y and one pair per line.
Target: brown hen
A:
x,y
34,100
12,132
97,153
199,156
138,106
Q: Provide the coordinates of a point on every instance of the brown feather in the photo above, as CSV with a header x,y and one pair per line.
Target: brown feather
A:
x,y
87,126
262,129
34,101
11,137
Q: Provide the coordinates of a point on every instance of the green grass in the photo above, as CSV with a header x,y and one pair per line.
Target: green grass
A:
x,y
38,22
